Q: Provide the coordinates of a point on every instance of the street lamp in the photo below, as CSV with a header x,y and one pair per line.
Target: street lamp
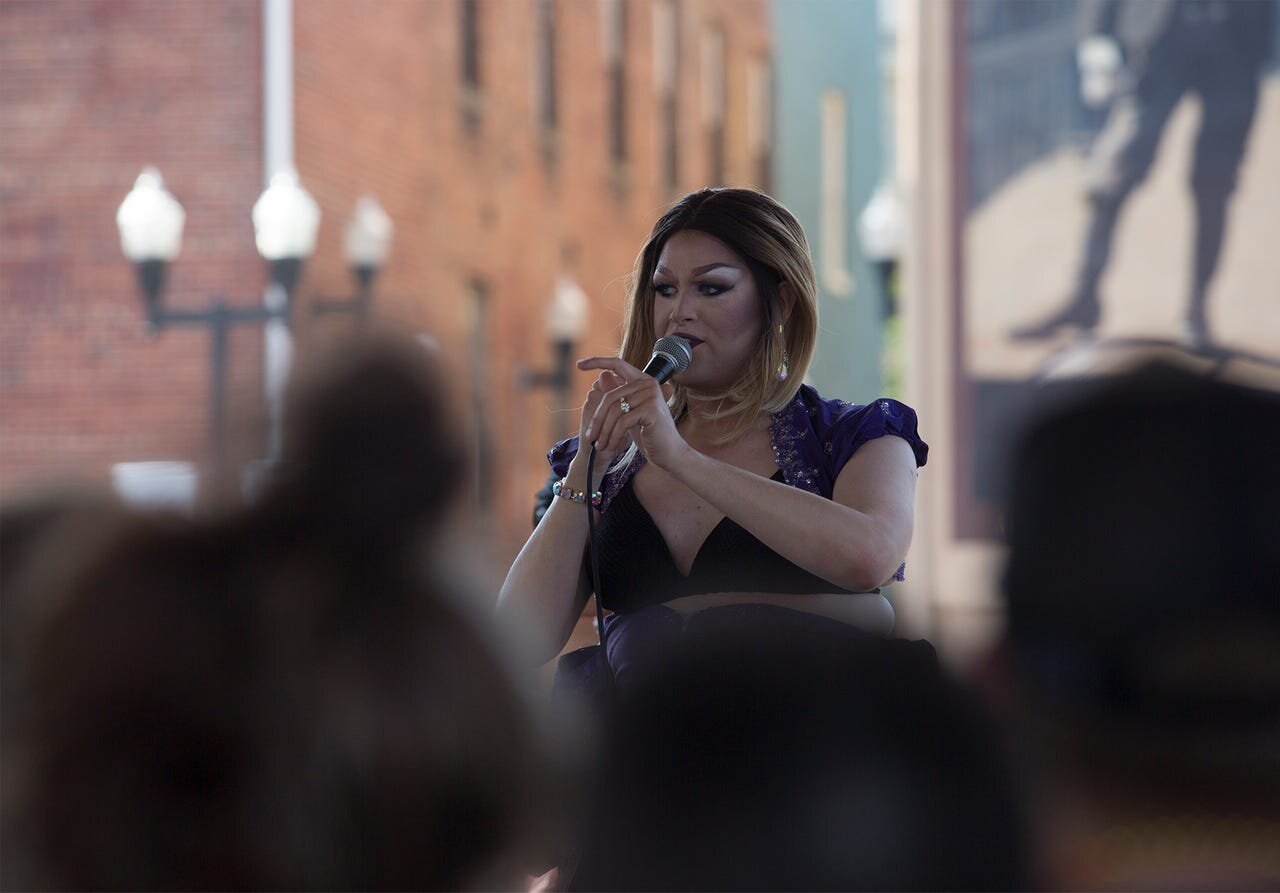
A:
x,y
880,235
566,321
366,245
285,221
150,220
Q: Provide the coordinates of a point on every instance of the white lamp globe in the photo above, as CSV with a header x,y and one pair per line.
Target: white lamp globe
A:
x,y
368,237
880,225
567,315
150,220
285,219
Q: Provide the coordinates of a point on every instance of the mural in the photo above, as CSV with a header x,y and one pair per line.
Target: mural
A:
x,y
1121,188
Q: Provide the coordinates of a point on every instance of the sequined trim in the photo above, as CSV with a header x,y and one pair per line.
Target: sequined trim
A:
x,y
787,430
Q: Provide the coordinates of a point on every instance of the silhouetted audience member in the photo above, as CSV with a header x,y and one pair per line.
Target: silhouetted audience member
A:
x,y
751,761
39,531
300,696
1142,660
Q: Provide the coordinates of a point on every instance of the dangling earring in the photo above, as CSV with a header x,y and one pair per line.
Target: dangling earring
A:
x,y
784,369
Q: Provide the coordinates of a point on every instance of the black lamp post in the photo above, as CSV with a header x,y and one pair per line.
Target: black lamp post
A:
x,y
367,243
566,323
150,220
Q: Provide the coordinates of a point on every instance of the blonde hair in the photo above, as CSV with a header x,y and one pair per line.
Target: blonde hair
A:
x,y
771,241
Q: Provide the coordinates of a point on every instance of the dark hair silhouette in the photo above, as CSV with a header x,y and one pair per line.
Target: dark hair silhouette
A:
x,y
750,763
298,696
1139,671
1142,520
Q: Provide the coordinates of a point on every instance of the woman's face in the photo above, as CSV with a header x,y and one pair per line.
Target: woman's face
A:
x,y
704,291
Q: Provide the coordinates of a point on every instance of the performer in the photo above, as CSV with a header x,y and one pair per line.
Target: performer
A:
x,y
734,494
1149,54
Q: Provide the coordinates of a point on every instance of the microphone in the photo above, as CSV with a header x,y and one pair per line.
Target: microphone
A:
x,y
671,354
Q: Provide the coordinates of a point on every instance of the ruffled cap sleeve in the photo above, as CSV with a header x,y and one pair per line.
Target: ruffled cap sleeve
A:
x,y
562,454
855,425
851,426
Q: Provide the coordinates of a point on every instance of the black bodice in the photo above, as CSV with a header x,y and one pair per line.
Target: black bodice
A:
x,y
636,568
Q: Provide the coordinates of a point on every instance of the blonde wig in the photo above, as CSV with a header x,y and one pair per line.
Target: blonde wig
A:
x,y
771,241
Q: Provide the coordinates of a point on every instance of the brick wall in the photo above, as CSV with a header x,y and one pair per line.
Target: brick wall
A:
x,y
380,109
90,92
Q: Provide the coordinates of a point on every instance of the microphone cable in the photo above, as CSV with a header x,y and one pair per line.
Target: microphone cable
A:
x,y
594,559
671,354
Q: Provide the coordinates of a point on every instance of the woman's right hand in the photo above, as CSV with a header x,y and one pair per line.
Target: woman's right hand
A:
x,y
605,382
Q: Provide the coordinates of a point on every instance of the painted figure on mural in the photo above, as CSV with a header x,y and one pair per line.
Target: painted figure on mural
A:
x,y
1144,56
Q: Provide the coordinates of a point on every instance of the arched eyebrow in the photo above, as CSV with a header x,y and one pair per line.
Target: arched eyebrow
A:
x,y
698,271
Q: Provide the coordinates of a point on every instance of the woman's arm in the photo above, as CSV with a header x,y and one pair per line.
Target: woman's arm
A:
x,y
857,539
548,584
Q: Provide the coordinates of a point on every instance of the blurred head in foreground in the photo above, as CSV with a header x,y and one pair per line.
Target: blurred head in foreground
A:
x,y
750,764
294,697
1143,593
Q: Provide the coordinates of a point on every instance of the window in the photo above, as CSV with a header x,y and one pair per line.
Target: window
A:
x,y
666,61
713,100
478,355
469,54
833,186
614,20
545,106
760,120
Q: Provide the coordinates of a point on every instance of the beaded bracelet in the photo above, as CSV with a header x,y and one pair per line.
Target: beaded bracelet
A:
x,y
564,491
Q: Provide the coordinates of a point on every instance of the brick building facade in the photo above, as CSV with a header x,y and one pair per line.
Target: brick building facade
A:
x,y
89,94
509,140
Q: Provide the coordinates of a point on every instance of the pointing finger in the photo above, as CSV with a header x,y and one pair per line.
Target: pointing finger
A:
x,y
617,365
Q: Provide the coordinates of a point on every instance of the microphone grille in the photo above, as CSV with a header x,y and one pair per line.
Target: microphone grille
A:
x,y
678,349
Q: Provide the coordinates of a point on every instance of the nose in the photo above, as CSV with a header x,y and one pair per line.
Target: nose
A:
x,y
685,308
